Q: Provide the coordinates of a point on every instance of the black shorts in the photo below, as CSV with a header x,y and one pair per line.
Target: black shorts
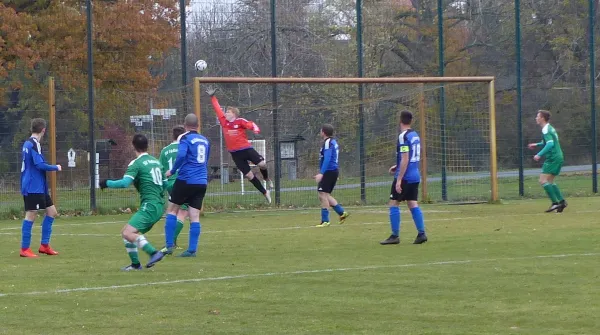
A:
x,y
242,157
410,191
328,181
36,201
190,194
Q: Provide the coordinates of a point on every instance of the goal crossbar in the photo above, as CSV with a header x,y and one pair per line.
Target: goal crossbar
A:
x,y
490,80
315,80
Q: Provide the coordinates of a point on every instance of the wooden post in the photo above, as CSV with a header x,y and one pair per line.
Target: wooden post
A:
x,y
493,153
198,113
423,137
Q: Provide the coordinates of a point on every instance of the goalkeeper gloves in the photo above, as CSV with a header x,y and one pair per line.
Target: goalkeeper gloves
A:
x,y
211,91
103,184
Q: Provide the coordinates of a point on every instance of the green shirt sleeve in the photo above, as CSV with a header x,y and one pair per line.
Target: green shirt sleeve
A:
x,y
547,147
132,171
123,183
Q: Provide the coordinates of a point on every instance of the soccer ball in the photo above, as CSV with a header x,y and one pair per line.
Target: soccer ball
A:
x,y
200,65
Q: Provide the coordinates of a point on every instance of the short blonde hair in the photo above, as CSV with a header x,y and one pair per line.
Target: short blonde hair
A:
x,y
234,110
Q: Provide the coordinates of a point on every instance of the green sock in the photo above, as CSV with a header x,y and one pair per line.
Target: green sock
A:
x,y
559,195
145,245
550,191
132,251
178,229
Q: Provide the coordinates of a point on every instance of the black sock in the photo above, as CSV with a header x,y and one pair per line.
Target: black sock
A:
x,y
265,173
259,186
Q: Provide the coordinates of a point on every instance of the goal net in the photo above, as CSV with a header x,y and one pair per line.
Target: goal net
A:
x,y
456,154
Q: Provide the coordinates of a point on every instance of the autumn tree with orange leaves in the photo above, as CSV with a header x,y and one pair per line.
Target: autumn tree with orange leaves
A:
x,y
45,38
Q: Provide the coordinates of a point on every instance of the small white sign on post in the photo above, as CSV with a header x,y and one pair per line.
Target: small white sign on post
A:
x,y
166,113
71,156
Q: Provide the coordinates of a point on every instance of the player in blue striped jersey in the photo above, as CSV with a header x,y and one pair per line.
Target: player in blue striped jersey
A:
x,y
34,189
405,186
190,186
328,176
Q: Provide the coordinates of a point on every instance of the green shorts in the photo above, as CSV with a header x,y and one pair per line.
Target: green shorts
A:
x,y
552,167
148,214
169,188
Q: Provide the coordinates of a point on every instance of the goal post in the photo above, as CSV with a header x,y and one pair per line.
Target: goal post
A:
x,y
478,106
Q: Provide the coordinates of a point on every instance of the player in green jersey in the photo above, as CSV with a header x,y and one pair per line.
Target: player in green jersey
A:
x,y
145,172
167,158
553,162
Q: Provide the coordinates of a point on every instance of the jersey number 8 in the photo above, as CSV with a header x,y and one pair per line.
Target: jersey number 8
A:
x,y
201,154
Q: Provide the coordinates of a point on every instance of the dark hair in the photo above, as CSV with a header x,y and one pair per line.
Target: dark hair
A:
x,y
140,143
406,117
327,129
177,131
37,125
545,114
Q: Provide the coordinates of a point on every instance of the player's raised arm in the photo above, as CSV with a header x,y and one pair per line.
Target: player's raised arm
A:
x,y
216,106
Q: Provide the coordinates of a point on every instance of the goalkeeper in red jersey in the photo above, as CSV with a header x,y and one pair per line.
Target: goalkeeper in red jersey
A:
x,y
236,140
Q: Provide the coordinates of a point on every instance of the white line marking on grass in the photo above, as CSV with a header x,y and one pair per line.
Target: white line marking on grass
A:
x,y
306,227
465,218
289,273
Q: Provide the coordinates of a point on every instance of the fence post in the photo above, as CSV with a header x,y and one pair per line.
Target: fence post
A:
x,y
276,153
593,96
91,137
440,14
519,96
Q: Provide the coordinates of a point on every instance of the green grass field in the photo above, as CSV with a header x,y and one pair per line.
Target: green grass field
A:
x,y
304,194
487,269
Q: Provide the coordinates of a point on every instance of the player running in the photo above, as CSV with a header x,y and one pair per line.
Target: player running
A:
x,y
146,175
34,189
189,188
167,158
554,160
234,131
405,186
328,175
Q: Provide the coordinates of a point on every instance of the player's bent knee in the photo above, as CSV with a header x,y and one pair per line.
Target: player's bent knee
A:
x,y
412,204
262,165
51,211
30,215
250,175
129,233
172,208
194,214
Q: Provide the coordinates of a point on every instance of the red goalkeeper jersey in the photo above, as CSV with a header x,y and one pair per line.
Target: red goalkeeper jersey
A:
x,y
234,131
